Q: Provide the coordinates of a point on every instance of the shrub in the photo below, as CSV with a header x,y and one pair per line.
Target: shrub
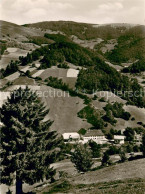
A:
x,y
105,159
82,131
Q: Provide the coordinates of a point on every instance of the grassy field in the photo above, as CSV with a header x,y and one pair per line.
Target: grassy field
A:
x,y
128,177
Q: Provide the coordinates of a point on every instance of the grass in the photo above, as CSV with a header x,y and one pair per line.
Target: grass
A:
x,y
128,186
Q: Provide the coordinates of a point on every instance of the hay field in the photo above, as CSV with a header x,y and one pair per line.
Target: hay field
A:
x,y
38,73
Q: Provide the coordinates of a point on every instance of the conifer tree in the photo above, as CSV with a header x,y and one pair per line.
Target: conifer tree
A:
x,y
28,146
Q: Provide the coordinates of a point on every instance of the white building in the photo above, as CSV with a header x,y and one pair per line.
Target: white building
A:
x,y
71,137
138,138
95,135
119,139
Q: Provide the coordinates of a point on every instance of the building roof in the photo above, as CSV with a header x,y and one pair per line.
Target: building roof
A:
x,y
91,133
119,137
71,135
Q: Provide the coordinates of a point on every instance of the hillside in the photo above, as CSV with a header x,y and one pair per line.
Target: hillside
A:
x,y
14,31
122,178
81,30
90,77
81,71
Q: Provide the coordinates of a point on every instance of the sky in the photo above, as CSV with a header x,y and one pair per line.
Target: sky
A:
x,y
88,11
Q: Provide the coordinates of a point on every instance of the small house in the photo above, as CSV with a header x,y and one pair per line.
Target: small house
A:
x,y
71,137
119,139
95,135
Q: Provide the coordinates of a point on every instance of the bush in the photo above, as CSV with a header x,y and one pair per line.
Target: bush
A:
x,y
82,131
113,150
105,159
102,99
28,73
63,65
122,157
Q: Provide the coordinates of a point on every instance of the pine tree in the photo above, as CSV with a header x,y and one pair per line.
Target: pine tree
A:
x,y
82,158
28,146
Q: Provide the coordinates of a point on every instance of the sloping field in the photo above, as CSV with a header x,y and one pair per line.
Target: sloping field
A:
x,y
63,110
131,169
38,73
137,113
122,124
3,97
15,87
71,81
13,76
3,82
19,32
110,96
24,81
54,73
13,54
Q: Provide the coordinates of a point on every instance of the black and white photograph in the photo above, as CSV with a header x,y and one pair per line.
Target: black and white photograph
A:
x,y
72,96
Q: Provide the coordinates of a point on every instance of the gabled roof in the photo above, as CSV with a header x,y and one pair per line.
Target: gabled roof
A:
x,y
71,135
95,132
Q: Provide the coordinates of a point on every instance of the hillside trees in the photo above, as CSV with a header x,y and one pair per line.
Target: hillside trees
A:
x,y
104,78
28,146
10,69
117,110
136,67
92,117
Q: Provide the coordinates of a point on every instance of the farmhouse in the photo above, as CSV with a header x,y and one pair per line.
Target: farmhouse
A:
x,y
95,135
119,139
71,137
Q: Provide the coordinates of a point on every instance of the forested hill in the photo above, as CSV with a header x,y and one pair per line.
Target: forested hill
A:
x,y
82,30
130,47
129,39
97,75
